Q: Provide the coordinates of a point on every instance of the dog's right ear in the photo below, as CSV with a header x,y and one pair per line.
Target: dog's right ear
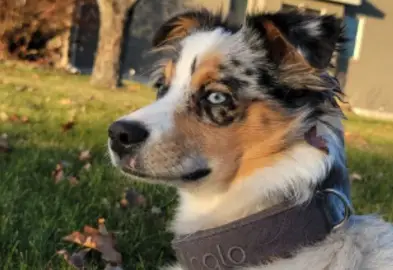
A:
x,y
180,26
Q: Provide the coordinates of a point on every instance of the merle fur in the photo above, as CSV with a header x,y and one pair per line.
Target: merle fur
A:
x,y
318,52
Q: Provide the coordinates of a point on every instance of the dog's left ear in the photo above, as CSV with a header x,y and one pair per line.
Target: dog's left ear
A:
x,y
313,37
181,25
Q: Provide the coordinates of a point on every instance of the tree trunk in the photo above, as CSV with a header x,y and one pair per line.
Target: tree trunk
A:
x,y
66,35
107,60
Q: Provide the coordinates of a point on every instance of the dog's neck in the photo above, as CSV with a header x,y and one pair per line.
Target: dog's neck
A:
x,y
293,176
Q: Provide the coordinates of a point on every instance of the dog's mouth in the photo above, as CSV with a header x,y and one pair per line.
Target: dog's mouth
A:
x,y
130,166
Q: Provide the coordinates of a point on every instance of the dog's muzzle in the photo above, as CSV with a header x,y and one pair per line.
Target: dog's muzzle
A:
x,y
126,138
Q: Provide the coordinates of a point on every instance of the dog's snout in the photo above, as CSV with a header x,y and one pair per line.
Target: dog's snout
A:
x,y
127,133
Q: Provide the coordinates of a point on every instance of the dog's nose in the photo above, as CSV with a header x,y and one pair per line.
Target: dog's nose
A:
x,y
127,133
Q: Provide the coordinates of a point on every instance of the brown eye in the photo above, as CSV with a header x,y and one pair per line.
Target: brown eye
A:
x,y
161,88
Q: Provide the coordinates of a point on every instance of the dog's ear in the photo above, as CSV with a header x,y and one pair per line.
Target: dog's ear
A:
x,y
181,25
313,37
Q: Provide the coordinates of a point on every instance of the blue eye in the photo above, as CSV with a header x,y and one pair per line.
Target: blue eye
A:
x,y
217,98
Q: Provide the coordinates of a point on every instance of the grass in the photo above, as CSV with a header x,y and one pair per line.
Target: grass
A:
x,y
35,212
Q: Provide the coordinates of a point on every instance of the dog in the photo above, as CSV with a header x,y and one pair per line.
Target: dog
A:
x,y
240,128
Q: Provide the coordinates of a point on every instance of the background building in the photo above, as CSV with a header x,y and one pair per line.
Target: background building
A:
x,y
363,68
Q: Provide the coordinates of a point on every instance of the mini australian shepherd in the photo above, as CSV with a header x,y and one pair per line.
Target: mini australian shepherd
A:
x,y
239,127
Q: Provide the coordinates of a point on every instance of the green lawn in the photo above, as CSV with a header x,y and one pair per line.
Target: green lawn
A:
x,y
35,212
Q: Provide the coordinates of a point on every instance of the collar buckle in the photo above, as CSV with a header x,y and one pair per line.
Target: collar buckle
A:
x,y
348,209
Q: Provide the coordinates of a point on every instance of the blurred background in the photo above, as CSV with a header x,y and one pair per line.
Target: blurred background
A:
x,y
68,68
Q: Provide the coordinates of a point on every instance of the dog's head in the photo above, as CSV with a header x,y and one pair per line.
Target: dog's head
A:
x,y
230,99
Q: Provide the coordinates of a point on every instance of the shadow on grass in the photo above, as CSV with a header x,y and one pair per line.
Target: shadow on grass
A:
x,y
36,212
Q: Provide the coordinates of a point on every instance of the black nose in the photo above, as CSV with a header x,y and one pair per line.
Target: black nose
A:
x,y
125,134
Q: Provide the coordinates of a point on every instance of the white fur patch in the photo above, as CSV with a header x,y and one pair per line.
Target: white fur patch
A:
x,y
158,116
313,27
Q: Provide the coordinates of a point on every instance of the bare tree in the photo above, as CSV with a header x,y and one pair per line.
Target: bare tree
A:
x,y
113,16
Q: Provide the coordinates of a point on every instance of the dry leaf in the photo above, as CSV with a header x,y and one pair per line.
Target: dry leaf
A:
x,y
132,198
4,144
98,239
67,126
4,116
87,166
123,203
84,155
58,173
24,119
14,118
65,101
73,180
355,177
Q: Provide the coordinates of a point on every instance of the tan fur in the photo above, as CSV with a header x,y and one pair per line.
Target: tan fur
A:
x,y
263,135
244,146
206,71
169,71
181,28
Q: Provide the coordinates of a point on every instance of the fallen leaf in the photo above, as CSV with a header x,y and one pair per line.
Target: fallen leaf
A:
x,y
65,101
98,239
73,180
87,166
355,177
4,144
24,119
67,126
132,198
58,173
123,203
14,118
4,116
84,155
355,139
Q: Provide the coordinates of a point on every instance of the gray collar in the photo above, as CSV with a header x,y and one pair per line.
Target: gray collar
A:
x,y
257,239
